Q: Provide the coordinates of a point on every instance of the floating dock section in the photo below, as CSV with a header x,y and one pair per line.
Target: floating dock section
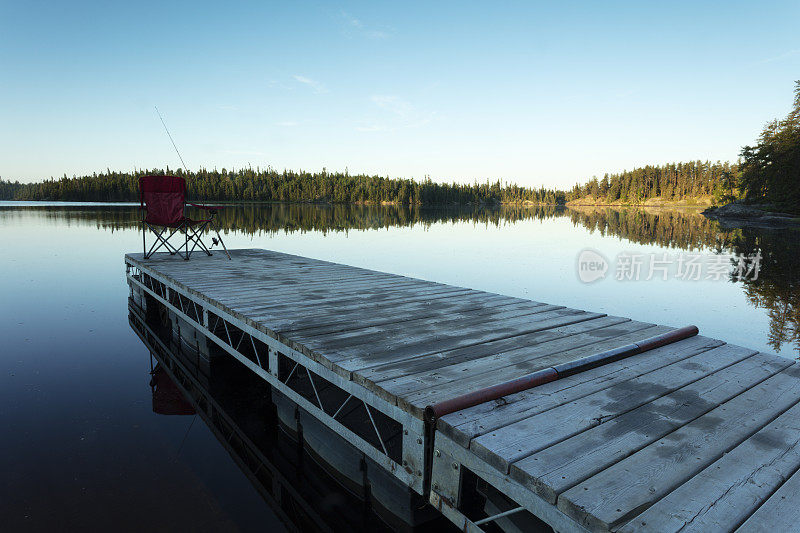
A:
x,y
694,435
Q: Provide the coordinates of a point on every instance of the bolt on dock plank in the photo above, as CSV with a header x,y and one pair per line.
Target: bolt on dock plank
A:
x,y
697,434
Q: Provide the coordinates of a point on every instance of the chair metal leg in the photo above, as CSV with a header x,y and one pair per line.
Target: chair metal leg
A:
x,y
196,238
157,244
199,243
186,233
161,241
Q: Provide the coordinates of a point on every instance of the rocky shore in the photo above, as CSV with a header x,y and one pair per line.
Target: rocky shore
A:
x,y
735,215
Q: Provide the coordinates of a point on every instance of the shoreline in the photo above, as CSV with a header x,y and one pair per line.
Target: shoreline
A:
x,y
571,205
278,202
695,202
737,215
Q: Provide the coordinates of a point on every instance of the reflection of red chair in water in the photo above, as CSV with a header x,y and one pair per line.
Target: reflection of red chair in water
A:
x,y
167,397
162,200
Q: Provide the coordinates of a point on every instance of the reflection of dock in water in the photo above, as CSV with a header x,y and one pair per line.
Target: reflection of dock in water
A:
x,y
235,404
694,434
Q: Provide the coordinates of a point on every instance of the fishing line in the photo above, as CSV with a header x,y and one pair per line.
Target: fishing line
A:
x,y
171,140
184,437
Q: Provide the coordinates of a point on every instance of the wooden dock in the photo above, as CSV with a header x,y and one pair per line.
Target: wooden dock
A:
x,y
696,435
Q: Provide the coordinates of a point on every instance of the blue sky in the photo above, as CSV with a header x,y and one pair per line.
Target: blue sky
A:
x,y
536,93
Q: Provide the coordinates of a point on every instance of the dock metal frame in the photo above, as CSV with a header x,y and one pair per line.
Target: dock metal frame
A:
x,y
451,460
267,357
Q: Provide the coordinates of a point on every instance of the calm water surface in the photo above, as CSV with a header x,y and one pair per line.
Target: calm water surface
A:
x,y
82,447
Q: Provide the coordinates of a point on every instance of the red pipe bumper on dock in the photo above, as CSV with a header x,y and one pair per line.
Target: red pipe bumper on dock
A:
x,y
546,375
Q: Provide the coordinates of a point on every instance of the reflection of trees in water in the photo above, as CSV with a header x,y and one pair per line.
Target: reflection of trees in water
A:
x,y
287,218
777,289
684,229
103,217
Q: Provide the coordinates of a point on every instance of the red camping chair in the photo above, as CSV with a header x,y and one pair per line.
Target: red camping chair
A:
x,y
162,200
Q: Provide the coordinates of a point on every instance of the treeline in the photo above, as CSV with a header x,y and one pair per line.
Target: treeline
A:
x,y
672,181
269,185
768,172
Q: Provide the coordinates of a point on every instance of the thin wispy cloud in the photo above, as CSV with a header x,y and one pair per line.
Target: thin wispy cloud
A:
x,y
376,34
287,124
352,21
277,84
371,128
786,55
393,104
401,113
244,152
354,26
314,84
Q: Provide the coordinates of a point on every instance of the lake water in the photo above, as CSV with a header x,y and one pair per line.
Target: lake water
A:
x,y
82,447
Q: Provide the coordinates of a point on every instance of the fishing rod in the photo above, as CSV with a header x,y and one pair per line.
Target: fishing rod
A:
x,y
171,139
213,210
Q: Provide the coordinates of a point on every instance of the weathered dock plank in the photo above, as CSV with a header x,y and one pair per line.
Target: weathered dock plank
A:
x,y
467,311
526,437
470,306
463,426
466,370
428,388
443,359
565,464
725,494
398,345
780,512
626,489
